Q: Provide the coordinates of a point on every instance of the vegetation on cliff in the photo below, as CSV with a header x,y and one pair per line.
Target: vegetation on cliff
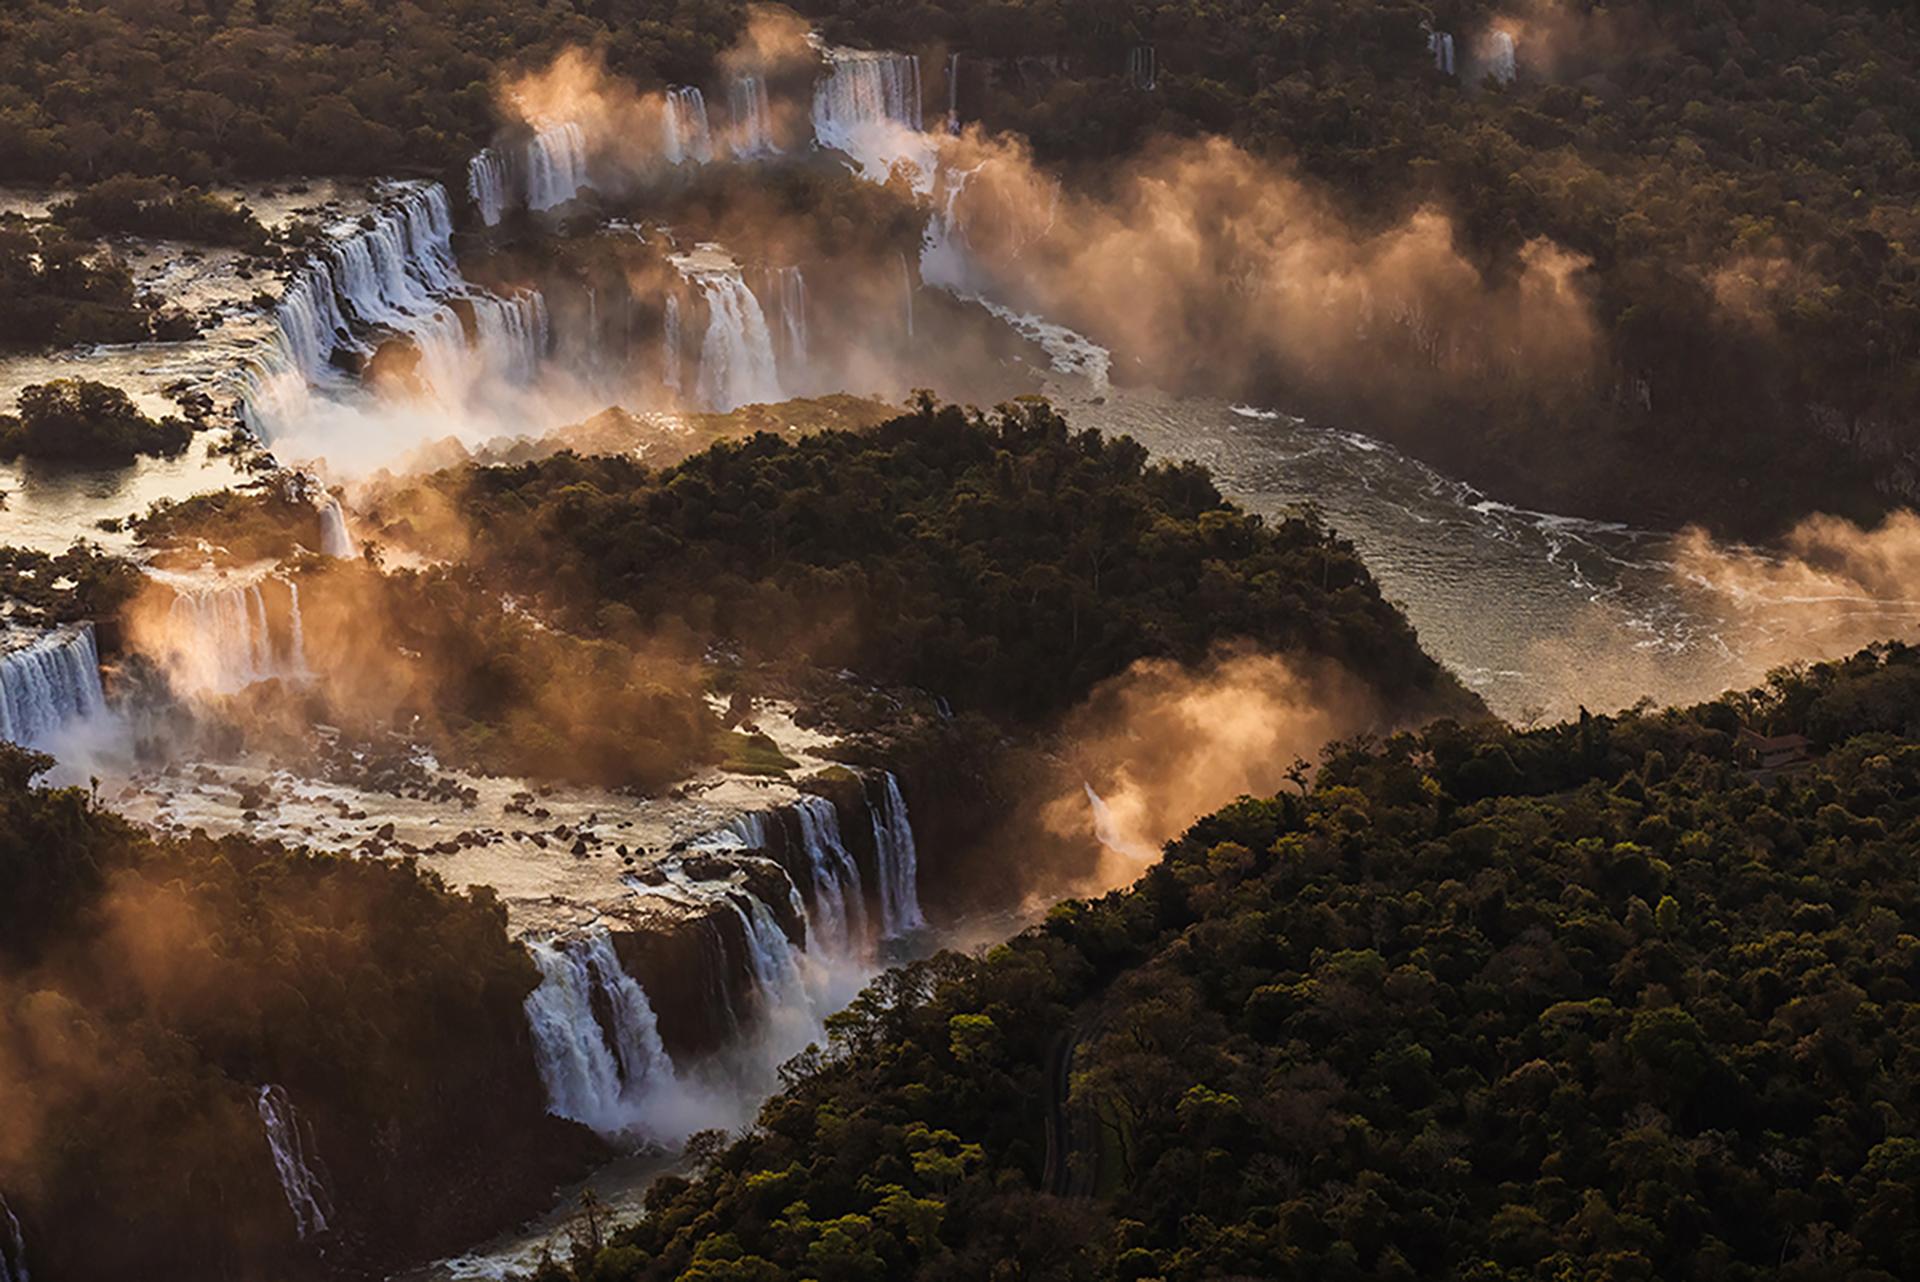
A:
x,y
1599,1000
149,988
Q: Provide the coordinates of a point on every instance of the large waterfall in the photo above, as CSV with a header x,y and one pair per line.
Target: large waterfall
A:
x,y
687,135
556,165
868,106
294,1161
835,894
752,118
335,539
595,1039
13,1247
737,364
897,859
393,271
50,685
221,638
489,184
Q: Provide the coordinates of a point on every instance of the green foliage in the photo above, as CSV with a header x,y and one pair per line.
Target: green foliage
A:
x,y
77,420
134,206
1432,1034
57,290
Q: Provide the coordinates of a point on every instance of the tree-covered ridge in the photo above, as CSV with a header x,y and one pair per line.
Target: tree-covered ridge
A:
x,y
1598,1001
149,988
1007,563
196,90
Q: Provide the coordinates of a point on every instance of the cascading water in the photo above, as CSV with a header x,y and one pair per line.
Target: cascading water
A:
x,y
556,165
896,857
1143,67
219,638
1108,833
752,117
49,686
670,344
1503,62
1440,45
13,1247
688,137
790,309
488,183
335,538
839,910
737,364
953,94
868,106
293,1161
596,1042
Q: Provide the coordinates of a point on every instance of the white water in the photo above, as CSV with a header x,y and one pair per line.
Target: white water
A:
x,y
335,538
1108,833
953,94
1440,45
220,637
488,184
49,686
687,137
737,364
556,165
837,899
752,118
293,1160
13,1247
897,859
1503,63
790,315
613,1076
868,106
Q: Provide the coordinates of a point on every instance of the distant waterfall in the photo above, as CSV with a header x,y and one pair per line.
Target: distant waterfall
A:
x,y
489,182
1503,62
1440,45
868,106
953,94
596,1041
737,365
50,685
839,899
335,540
1143,67
293,1160
688,137
752,118
771,958
670,344
906,287
789,290
13,1247
556,165
897,859
511,334
1108,833
220,639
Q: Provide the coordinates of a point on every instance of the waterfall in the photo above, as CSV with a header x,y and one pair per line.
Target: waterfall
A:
x,y
953,94
293,1159
1143,67
394,270
868,107
1440,45
220,639
1108,833
1503,64
737,365
790,306
688,137
556,165
596,1042
487,180
335,539
13,1247
752,117
50,685
670,344
771,959
839,901
897,860
906,286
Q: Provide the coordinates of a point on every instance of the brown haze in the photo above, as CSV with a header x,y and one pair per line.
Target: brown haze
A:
x,y
1164,744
